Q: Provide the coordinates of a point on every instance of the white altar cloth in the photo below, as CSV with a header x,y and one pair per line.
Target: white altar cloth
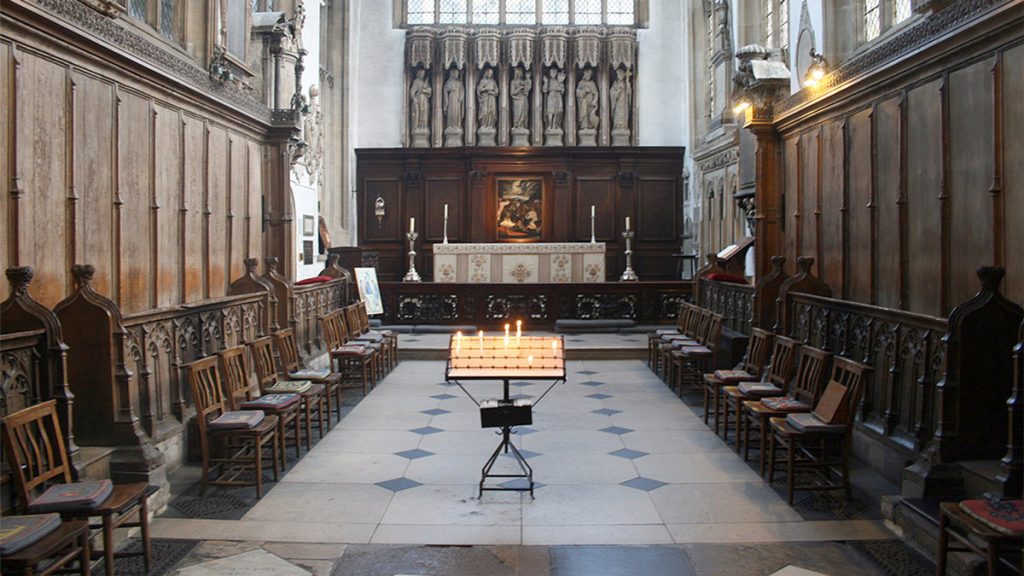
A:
x,y
522,263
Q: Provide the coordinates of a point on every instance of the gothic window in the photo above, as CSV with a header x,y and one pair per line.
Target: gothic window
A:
x,y
776,24
164,16
521,12
236,18
880,15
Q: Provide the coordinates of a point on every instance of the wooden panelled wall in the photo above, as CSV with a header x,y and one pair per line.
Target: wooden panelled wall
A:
x,y
642,183
160,193
903,182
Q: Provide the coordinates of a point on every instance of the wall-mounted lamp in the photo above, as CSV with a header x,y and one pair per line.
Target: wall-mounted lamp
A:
x,y
817,70
379,211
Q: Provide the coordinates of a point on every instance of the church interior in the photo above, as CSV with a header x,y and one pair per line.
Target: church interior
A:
x,y
512,287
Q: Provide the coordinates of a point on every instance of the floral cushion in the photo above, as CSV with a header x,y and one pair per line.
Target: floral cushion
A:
x,y
786,404
78,496
237,420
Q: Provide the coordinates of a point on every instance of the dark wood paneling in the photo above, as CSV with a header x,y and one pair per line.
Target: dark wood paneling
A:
x,y
393,224
194,271
887,196
970,148
166,247
216,206
790,205
832,203
658,210
94,177
8,234
599,193
437,193
858,212
924,180
1013,171
135,138
809,197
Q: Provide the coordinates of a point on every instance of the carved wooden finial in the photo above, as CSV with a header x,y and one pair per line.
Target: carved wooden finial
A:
x,y
19,278
804,263
251,264
778,262
991,277
83,273
332,258
271,262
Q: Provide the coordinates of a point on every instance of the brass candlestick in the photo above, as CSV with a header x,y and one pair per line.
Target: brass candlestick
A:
x,y
412,275
628,274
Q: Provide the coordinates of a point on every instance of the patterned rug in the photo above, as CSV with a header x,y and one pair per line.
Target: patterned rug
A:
x,y
166,553
894,557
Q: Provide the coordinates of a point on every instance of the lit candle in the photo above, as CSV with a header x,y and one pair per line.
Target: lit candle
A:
x,y
554,344
481,340
519,329
458,342
593,212
445,210
412,224
627,222
530,359
507,326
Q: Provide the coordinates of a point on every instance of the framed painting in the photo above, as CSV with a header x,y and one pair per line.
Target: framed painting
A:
x,y
520,213
369,292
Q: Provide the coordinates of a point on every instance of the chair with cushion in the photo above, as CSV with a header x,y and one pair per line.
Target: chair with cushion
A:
x,y
350,317
691,361
241,393
390,336
295,369
314,396
356,362
811,373
37,458
774,381
43,544
695,335
654,338
753,364
991,528
232,441
819,441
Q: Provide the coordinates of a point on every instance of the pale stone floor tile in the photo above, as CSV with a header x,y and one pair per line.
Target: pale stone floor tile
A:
x,y
327,503
574,535
810,531
584,505
673,441
721,503
572,441
480,442
369,442
447,534
577,469
453,469
454,505
346,468
382,421
697,468
253,563
303,551
543,419
191,529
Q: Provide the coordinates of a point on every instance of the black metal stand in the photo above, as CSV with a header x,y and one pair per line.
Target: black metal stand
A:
x,y
505,446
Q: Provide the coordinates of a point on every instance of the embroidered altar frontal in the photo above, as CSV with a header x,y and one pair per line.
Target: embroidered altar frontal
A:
x,y
562,262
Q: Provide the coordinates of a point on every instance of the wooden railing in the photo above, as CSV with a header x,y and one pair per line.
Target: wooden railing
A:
x,y
160,343
489,305
905,350
732,300
311,302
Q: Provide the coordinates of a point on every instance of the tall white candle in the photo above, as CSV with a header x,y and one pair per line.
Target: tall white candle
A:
x,y
592,211
481,340
445,210
412,225
627,222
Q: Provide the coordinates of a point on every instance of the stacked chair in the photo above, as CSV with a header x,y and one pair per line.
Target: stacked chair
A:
x,y
291,362
356,361
794,401
313,399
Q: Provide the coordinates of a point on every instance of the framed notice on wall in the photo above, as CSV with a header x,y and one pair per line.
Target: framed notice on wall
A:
x,y
369,293
520,211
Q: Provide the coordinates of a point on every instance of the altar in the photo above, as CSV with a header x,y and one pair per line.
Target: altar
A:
x,y
520,263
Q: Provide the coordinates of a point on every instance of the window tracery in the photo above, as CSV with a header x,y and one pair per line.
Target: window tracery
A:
x,y
521,12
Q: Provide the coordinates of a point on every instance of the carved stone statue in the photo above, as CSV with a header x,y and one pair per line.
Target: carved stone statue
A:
x,y
586,108
419,94
312,133
554,88
487,108
453,100
519,91
620,93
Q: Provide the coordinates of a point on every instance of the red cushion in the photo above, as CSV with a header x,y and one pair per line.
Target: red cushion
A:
x,y
719,277
314,280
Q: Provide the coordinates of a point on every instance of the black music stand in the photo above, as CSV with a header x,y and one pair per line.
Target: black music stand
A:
x,y
505,358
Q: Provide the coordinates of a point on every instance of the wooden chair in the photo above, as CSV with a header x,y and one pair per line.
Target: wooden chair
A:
x,y
56,553
779,373
34,446
356,363
291,362
689,363
233,450
801,397
754,362
350,316
314,400
654,338
999,549
695,335
390,336
239,389
827,444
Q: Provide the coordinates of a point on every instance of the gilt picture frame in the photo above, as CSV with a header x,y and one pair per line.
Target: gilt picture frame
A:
x,y
519,216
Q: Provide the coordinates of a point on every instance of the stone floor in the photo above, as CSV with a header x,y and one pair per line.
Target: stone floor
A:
x,y
629,481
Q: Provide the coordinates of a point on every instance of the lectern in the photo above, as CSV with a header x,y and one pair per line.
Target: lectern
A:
x,y
504,358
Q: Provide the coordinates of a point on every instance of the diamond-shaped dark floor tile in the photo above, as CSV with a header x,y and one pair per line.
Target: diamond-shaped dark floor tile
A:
x,y
586,372
410,339
445,396
398,484
628,453
521,383
641,483
520,483
524,430
526,454
414,454
599,396
616,430
435,411
426,430
520,396
606,411
592,383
